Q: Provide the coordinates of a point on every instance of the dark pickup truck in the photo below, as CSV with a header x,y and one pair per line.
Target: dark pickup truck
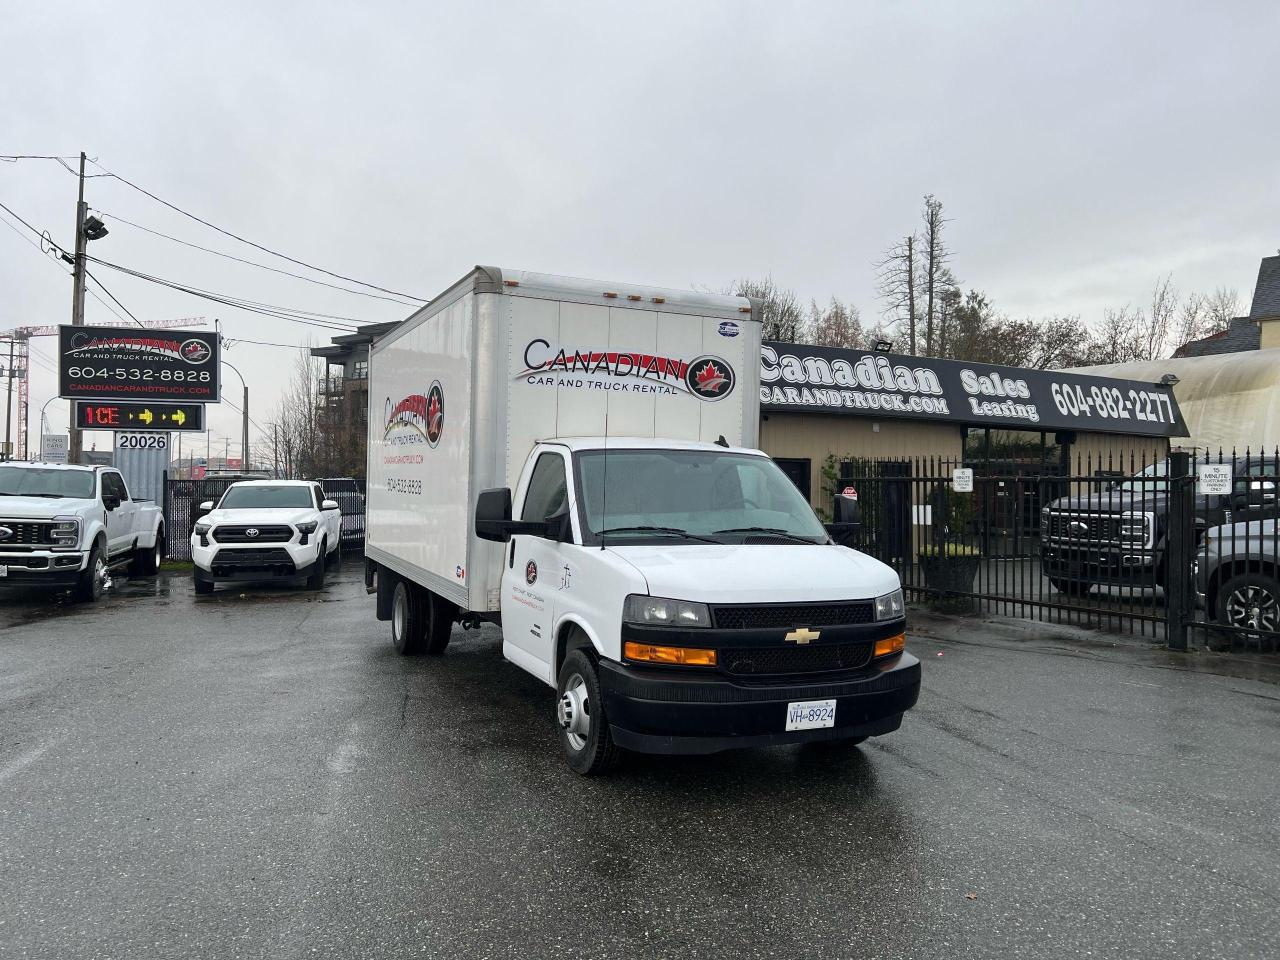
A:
x,y
1117,535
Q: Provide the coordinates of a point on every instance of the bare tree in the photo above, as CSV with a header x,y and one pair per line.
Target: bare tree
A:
x,y
933,261
1221,308
1120,338
1157,325
782,317
835,325
1191,319
896,284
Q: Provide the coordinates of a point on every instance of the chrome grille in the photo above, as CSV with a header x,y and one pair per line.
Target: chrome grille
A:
x,y
26,533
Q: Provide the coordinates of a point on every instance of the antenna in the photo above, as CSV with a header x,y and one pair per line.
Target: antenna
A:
x,y
604,496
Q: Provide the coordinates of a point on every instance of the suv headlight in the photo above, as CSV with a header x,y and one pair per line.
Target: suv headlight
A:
x,y
65,534
658,612
890,606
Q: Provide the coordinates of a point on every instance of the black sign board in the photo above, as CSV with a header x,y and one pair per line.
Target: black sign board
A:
x,y
805,379
126,363
104,415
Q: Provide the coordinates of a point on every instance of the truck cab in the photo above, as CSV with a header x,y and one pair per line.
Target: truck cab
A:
x,y
682,597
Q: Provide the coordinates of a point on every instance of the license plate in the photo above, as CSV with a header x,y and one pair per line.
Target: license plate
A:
x,y
4,571
811,714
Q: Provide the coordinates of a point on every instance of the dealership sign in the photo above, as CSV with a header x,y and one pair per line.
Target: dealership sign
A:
x,y
125,363
589,367
800,378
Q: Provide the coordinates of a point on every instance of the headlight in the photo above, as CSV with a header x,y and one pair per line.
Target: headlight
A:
x,y
890,606
307,526
202,529
65,533
657,612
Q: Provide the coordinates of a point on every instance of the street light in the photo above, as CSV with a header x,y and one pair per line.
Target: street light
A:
x,y
244,413
42,409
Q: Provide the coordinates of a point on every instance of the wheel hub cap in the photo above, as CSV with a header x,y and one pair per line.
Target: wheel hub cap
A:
x,y
573,712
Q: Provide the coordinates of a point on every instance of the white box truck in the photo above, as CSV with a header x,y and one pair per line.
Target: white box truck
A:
x,y
575,461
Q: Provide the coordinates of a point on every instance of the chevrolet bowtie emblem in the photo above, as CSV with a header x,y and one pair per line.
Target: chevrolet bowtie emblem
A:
x,y
802,635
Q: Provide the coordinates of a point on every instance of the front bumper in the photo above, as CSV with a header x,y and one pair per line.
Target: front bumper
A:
x,y
244,563
46,568
660,711
1114,564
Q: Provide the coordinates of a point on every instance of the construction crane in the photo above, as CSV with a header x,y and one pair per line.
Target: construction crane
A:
x,y
21,337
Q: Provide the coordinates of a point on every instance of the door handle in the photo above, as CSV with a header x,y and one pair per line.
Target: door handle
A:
x,y
511,563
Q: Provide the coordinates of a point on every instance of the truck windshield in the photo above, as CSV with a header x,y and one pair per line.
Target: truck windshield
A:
x,y
38,482
690,495
258,498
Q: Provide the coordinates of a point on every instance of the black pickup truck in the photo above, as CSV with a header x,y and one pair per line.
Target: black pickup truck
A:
x,y
1117,535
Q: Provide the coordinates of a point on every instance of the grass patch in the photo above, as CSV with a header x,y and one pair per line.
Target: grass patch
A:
x,y
948,550
177,566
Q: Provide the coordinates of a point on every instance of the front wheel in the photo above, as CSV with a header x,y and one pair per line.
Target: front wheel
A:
x,y
202,586
93,580
316,580
584,727
1072,588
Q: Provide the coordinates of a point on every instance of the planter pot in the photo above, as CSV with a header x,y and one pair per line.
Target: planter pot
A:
x,y
947,576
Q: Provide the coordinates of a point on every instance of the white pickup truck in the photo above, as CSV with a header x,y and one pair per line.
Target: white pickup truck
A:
x,y
575,461
67,526
263,530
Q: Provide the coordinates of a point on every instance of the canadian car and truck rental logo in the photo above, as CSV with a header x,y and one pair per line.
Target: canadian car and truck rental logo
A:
x,y
705,377
416,418
192,350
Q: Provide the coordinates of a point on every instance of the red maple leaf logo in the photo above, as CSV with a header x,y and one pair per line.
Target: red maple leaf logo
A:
x,y
710,379
434,414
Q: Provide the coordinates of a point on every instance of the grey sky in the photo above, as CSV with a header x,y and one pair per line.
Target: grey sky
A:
x,y
1081,150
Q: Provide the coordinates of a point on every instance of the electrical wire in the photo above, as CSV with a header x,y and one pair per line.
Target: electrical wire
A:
x,y
232,341
251,263
258,246
113,297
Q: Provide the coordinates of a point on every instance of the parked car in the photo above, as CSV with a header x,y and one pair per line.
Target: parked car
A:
x,y
1117,535
262,530
68,526
1237,575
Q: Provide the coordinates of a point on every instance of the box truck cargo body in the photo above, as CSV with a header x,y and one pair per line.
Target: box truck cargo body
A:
x,y
544,451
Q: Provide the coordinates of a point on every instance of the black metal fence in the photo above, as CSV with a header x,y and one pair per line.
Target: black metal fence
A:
x,y
1155,547
182,499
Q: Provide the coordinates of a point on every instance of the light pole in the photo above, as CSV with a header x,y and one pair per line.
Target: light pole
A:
x,y
43,407
244,414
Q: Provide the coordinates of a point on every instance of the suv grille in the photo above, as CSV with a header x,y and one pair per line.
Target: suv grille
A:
x,y
1085,527
780,616
239,533
27,533
252,558
764,661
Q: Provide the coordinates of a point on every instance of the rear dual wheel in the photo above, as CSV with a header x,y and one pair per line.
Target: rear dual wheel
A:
x,y
421,622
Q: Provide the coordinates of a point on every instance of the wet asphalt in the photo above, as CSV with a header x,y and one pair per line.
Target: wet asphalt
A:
x,y
260,775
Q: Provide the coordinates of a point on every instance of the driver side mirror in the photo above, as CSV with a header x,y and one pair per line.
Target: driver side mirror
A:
x,y
207,506
110,501
847,525
329,505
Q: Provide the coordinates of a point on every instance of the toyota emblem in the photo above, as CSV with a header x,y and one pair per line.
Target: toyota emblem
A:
x,y
251,532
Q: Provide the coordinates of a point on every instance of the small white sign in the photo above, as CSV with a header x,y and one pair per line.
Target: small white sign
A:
x,y
55,448
1214,479
962,480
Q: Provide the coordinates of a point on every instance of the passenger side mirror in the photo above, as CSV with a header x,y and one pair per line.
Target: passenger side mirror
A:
x,y
330,505
847,525
110,501
493,517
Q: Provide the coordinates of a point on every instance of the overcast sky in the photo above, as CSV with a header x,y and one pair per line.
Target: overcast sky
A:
x,y
1081,150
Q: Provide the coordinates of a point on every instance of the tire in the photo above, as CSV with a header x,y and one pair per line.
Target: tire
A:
x,y
202,586
439,625
93,578
146,563
1072,588
408,618
316,580
580,716
337,555
1250,601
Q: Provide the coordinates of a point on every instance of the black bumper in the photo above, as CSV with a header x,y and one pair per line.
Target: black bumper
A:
x,y
227,570
1135,567
657,711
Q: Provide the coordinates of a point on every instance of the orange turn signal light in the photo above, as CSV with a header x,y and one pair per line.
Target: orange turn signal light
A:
x,y
652,653
891,645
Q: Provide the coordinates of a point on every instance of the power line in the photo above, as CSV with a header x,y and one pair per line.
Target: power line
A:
x,y
251,263
307,317
232,341
113,297
258,246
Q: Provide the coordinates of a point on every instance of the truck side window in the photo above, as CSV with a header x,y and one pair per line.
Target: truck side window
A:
x,y
113,486
547,490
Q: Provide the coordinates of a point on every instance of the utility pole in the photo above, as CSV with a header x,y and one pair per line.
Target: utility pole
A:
x,y
8,409
77,298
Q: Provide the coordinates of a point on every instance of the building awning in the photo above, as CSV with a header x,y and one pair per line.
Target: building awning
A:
x,y
796,378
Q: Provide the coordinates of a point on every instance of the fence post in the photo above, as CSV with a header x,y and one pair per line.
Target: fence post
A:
x,y
1178,595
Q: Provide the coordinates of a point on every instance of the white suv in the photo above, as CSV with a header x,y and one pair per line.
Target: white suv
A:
x,y
264,530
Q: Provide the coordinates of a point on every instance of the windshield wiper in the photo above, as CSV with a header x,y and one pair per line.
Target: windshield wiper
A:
x,y
55,496
672,531
771,531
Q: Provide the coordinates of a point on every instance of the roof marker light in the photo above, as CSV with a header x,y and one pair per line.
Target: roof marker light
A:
x,y
633,296
744,309
659,299
611,296
512,283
